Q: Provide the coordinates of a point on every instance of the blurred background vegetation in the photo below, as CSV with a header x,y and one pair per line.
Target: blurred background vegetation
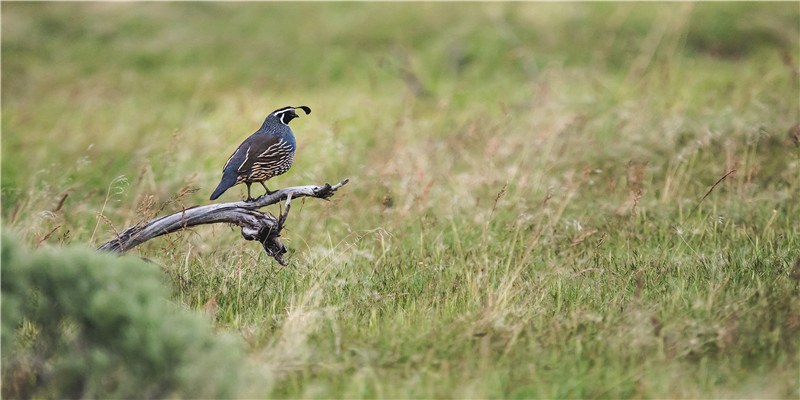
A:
x,y
524,214
79,324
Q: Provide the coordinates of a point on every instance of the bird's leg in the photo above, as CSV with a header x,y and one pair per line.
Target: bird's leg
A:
x,y
248,192
265,188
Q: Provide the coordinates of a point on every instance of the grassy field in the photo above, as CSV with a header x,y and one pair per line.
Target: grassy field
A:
x,y
529,211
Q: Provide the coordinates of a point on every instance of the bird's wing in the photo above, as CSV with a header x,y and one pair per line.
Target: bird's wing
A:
x,y
270,151
237,160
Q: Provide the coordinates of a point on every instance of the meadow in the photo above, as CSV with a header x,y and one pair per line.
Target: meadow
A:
x,y
583,200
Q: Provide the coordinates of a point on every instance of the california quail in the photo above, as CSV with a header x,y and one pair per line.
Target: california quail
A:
x,y
267,153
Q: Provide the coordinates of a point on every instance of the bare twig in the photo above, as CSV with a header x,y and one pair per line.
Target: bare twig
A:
x,y
712,188
43,239
581,272
255,224
61,202
582,237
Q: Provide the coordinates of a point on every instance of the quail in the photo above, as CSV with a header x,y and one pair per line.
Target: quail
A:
x,y
267,153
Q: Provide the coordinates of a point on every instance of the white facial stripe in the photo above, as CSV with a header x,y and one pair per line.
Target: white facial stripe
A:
x,y
283,110
281,114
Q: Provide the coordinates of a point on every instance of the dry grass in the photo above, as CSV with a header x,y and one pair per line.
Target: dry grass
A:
x,y
526,216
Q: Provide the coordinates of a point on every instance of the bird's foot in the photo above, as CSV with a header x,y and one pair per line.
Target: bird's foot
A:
x,y
269,192
263,195
249,199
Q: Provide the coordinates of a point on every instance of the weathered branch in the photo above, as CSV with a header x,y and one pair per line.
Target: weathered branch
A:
x,y
255,224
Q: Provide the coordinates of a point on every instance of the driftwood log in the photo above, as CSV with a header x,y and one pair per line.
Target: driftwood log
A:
x,y
256,225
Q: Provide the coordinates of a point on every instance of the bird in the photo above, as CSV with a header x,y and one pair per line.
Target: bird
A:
x,y
267,153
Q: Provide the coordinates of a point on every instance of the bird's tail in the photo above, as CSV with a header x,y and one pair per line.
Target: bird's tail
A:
x,y
225,184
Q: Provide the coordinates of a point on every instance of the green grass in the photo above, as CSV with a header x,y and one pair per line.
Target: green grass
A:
x,y
527,223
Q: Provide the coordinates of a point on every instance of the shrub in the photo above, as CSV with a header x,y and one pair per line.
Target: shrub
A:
x,y
81,324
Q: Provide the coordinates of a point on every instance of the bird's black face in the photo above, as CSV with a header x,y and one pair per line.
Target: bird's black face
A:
x,y
288,116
